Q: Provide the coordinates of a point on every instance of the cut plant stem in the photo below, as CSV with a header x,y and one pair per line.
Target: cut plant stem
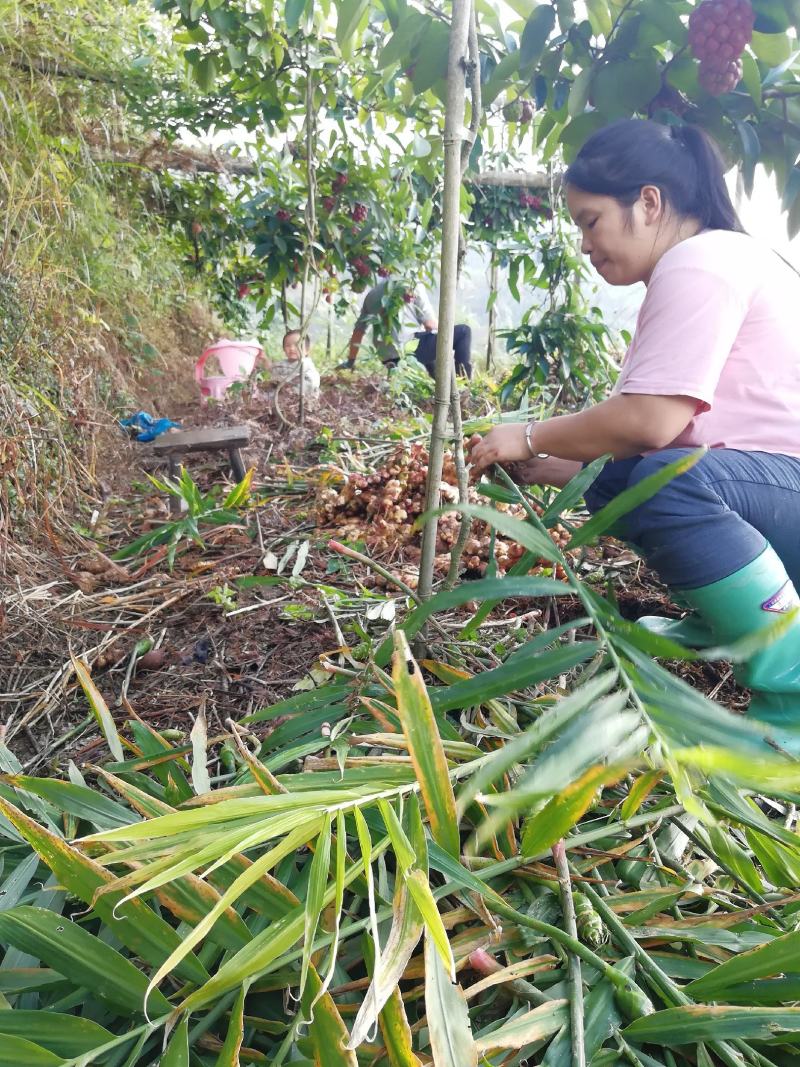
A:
x,y
352,553
662,983
559,937
574,963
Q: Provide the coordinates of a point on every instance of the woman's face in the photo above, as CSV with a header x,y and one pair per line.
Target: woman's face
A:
x,y
620,241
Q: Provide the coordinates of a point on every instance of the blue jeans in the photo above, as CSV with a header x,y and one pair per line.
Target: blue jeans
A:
x,y
714,519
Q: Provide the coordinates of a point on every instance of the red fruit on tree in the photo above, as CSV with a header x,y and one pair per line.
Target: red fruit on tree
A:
x,y
196,228
329,203
359,213
719,31
360,266
527,200
282,215
717,82
383,272
408,296
525,111
243,290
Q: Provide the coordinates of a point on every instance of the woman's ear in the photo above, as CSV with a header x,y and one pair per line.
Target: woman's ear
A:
x,y
651,203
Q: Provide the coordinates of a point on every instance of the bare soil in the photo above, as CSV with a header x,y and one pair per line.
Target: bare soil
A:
x,y
67,598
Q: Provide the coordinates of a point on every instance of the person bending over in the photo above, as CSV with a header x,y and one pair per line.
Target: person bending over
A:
x,y
385,308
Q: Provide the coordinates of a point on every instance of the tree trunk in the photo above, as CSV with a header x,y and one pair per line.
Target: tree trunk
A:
x,y
453,137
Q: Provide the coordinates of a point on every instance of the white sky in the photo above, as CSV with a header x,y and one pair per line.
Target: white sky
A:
x,y
762,217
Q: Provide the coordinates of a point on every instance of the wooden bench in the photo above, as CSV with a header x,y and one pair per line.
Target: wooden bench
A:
x,y
212,439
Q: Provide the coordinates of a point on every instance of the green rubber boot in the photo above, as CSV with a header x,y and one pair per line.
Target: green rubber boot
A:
x,y
749,600
690,631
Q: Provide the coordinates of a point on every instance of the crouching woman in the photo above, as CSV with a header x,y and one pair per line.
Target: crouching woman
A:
x,y
715,361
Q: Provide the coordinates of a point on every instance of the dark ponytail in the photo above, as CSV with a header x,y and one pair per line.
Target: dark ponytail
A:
x,y
682,161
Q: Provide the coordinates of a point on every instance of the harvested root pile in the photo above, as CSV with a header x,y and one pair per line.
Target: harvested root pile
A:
x,y
380,509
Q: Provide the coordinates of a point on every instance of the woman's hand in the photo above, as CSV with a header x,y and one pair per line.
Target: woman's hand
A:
x,y
528,471
502,444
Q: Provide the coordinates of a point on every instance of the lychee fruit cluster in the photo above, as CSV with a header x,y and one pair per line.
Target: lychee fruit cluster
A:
x,y
383,272
719,31
527,200
329,203
359,213
360,266
381,508
282,215
339,181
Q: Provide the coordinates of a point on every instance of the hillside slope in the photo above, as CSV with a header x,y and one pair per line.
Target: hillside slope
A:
x,y
98,311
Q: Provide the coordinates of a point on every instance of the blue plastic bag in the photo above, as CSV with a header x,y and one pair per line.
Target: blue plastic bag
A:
x,y
150,428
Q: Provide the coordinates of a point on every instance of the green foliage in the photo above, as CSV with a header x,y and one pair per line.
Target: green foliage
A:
x,y
586,739
501,214
90,280
248,237
238,885
565,350
563,346
197,509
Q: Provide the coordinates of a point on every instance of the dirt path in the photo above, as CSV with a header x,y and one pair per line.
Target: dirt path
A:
x,y
72,600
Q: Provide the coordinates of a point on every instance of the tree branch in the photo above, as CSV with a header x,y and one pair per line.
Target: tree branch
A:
x,y
512,179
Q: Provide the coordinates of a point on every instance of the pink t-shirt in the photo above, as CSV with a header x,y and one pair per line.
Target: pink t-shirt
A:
x,y
721,323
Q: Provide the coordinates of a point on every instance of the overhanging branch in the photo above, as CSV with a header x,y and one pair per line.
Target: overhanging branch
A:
x,y
161,155
513,179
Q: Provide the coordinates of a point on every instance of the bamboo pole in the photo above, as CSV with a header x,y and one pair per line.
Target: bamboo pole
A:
x,y
310,219
492,337
453,138
473,72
